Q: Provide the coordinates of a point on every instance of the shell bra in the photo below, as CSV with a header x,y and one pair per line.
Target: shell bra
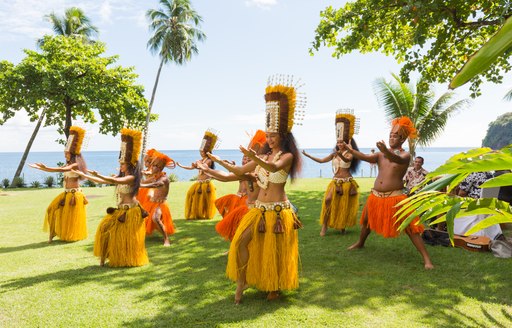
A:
x,y
122,189
338,163
263,177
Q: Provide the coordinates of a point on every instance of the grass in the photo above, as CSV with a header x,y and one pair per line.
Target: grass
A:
x,y
383,285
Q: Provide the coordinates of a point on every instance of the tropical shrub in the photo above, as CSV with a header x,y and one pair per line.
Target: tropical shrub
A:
x,y
49,181
6,183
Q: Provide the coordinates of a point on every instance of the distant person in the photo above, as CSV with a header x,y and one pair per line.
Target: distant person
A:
x,y
378,213
373,166
66,214
415,174
341,200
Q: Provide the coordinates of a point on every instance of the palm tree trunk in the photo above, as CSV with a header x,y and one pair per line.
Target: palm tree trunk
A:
x,y
146,128
412,151
27,149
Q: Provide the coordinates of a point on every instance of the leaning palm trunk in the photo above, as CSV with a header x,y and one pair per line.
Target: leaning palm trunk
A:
x,y
27,149
146,127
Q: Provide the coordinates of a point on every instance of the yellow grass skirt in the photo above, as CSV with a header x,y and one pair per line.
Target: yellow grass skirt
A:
x,y
122,243
273,258
342,212
200,201
66,216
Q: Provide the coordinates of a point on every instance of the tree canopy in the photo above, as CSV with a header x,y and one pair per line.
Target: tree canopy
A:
x,y
433,38
499,133
70,79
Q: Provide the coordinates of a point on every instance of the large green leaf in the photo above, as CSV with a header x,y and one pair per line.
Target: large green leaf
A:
x,y
481,60
499,181
502,217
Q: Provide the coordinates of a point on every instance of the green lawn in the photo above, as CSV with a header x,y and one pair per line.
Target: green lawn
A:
x,y
383,285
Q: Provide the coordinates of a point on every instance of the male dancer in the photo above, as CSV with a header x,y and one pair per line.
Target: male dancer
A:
x,y
378,213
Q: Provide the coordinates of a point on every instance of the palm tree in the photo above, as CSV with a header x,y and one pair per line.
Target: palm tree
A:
x,y
74,23
418,103
176,32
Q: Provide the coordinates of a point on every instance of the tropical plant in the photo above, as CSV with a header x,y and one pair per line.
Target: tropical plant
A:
x,y
499,133
89,183
175,28
418,102
35,184
433,38
18,182
173,177
5,183
49,181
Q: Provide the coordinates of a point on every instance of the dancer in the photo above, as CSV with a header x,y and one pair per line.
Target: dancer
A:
x,y
66,215
200,201
159,214
264,252
341,200
142,194
388,190
120,236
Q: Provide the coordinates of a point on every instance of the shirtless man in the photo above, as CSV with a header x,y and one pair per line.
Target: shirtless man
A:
x,y
159,213
378,213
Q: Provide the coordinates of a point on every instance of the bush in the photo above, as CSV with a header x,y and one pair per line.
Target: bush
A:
x,y
49,181
173,178
194,178
6,183
89,183
18,182
35,184
60,175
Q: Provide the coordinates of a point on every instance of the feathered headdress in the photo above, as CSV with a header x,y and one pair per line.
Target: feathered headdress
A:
x,y
257,141
284,105
131,141
404,127
346,124
163,160
75,140
210,141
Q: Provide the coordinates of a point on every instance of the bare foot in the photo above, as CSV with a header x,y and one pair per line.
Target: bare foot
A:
x,y
342,231
357,245
167,243
323,231
273,295
226,252
50,238
429,266
239,292
102,262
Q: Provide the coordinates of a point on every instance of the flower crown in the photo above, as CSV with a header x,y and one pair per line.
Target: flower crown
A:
x,y
405,127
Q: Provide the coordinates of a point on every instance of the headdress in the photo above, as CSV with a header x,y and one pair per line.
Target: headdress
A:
x,y
404,127
257,141
346,124
284,106
131,141
210,141
75,140
163,160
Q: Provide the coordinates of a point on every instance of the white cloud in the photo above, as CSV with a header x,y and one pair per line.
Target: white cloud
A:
x,y
264,4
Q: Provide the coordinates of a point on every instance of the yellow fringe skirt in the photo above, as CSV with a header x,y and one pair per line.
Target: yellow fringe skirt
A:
x,y
122,243
273,257
66,216
200,201
342,211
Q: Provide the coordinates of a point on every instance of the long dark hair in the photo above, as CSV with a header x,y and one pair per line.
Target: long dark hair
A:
x,y
79,160
354,165
134,170
288,145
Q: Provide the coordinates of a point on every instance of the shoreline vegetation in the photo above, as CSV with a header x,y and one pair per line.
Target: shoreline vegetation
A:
x,y
184,285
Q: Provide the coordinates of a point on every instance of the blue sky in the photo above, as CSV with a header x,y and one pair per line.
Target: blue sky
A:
x,y
223,87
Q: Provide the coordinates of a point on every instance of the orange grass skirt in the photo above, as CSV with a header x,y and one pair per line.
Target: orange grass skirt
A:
x,y
166,218
228,225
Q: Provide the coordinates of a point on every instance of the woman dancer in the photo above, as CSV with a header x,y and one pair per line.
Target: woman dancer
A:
x,y
264,252
120,237
341,200
200,201
66,214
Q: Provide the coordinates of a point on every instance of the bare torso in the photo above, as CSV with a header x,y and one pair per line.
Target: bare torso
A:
x,y
390,174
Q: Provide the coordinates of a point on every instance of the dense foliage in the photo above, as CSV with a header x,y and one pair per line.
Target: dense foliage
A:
x,y
499,133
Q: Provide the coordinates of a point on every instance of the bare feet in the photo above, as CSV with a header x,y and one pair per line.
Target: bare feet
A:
x,y
226,252
323,231
357,245
429,266
167,243
273,295
50,238
239,292
102,262
342,231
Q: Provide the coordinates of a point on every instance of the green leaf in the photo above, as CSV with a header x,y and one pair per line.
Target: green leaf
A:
x,y
489,221
499,181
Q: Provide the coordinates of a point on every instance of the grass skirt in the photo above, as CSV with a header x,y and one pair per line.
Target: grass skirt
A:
x,y
381,211
273,258
200,201
342,212
227,203
166,218
122,243
66,216
228,225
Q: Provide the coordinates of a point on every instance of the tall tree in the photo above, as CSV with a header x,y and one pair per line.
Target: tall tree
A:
x,y
73,23
175,28
433,38
69,79
499,133
418,102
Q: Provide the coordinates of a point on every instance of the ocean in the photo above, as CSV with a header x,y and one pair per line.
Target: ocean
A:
x,y
106,163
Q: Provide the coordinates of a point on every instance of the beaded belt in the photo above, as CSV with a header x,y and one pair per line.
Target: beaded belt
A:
x,y
127,206
273,206
73,190
203,181
391,193
250,205
342,180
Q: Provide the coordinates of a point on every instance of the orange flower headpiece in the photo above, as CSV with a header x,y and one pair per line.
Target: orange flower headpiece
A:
x,y
284,105
75,140
257,141
346,124
404,127
163,160
210,141
131,142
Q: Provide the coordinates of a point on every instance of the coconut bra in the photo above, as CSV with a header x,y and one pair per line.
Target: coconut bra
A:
x,y
264,177
338,163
